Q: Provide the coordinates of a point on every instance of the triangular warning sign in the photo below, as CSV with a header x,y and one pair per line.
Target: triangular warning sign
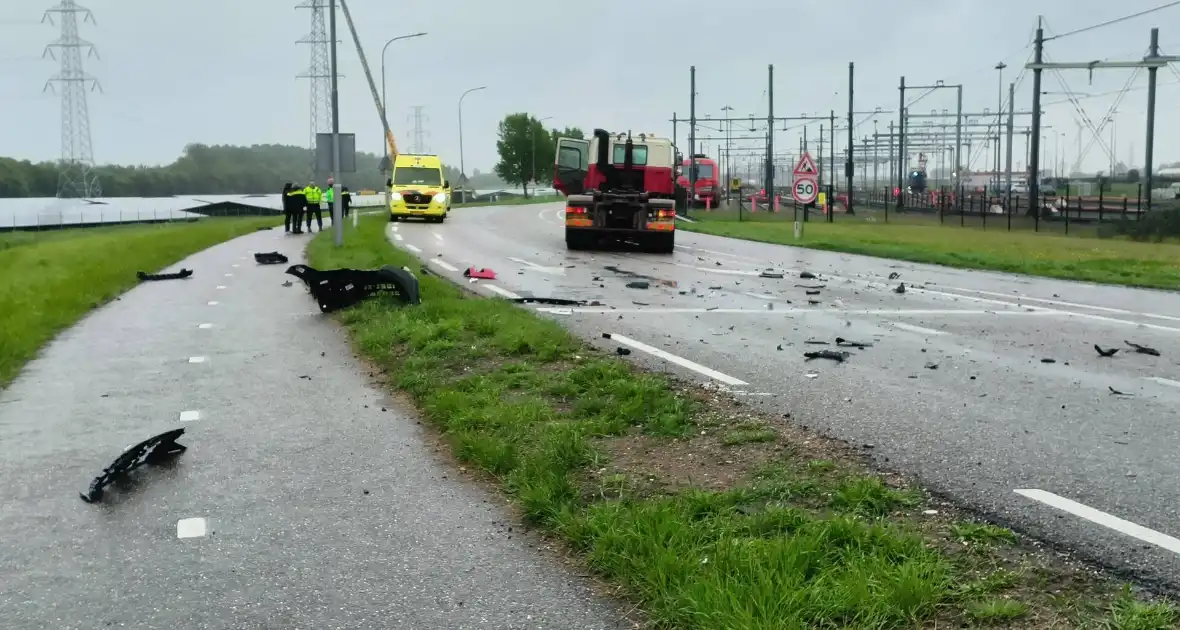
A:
x,y
805,165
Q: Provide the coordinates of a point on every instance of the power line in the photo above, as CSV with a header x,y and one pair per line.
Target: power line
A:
x,y
1115,21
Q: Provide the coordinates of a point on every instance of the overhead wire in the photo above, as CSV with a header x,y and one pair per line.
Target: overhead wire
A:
x,y
1115,20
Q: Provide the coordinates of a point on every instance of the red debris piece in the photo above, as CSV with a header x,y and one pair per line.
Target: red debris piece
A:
x,y
482,274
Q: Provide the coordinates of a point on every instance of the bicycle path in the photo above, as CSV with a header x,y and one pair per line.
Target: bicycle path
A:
x,y
306,499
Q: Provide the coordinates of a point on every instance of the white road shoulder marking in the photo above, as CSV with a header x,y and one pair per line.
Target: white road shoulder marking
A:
x,y
412,248
681,361
918,329
1164,381
397,236
1111,521
501,291
444,264
190,415
191,528
196,359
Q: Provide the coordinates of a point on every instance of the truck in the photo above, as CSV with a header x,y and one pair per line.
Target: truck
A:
x,y
708,189
626,194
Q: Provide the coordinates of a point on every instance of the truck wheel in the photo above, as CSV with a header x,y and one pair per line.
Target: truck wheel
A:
x,y
575,241
660,243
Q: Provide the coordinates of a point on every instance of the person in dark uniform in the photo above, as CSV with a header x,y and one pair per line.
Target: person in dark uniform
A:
x,y
286,200
297,200
345,200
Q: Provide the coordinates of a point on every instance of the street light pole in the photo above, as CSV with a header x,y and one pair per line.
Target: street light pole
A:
x,y
999,118
337,223
385,107
462,167
534,138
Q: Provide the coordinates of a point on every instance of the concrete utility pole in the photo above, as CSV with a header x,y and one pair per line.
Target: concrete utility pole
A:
x,y
848,165
770,135
337,222
692,138
1011,122
1153,62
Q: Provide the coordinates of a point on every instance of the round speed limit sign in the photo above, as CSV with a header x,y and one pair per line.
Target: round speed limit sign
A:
x,y
804,190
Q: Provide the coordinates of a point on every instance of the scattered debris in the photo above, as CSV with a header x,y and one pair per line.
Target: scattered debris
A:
x,y
816,342
840,341
810,286
894,275
807,275
1143,349
812,292
606,335
1105,353
262,229
269,258
179,275
717,288
1048,360
899,288
150,451
632,274
931,366
1115,392
479,274
639,284
334,289
770,273
813,302
780,347
622,351
838,357
288,283
638,303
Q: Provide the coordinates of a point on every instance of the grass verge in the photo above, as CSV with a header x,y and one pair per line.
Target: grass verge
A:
x,y
51,279
702,513
511,201
1111,261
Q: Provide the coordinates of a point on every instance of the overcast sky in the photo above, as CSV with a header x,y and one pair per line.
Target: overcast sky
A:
x,y
224,71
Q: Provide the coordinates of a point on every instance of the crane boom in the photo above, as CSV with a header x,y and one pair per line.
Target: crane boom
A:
x,y
372,85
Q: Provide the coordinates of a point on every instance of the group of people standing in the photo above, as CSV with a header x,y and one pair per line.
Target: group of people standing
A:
x,y
301,203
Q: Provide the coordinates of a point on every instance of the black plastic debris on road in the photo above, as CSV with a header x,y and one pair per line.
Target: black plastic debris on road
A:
x,y
1143,349
837,356
549,300
639,284
811,286
894,275
1105,353
813,292
840,341
334,289
179,275
1048,360
770,273
807,275
899,288
269,258
150,451
1115,392
622,351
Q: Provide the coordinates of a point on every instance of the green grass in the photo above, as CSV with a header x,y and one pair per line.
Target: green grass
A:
x,y
592,450
1110,261
51,279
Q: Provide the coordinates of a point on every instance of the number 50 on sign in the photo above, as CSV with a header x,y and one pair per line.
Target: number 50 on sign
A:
x,y
804,190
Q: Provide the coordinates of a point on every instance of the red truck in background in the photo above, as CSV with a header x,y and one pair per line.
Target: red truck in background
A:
x,y
708,187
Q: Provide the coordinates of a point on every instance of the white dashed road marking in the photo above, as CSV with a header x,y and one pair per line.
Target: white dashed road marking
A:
x,y
205,326
221,286
444,264
229,275
235,265
438,236
1111,521
213,303
196,359
412,248
504,292
190,415
918,329
1164,381
191,528
681,361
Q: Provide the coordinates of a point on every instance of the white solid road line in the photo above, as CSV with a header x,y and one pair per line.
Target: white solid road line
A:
x,y
501,291
190,416
681,361
918,329
196,359
796,311
1111,521
444,264
1164,381
1104,309
412,248
191,528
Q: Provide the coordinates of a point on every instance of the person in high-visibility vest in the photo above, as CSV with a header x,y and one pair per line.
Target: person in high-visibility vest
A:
x,y
330,197
294,202
314,197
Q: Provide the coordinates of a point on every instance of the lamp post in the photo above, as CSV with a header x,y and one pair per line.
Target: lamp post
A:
x,y
462,168
999,119
385,108
534,135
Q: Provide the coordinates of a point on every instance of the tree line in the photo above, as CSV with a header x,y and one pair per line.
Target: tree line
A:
x,y
210,170
527,150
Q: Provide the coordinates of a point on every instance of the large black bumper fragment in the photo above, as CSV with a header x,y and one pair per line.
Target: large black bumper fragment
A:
x,y
149,451
334,289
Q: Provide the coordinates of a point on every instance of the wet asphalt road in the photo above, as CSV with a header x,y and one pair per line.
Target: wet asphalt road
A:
x,y
323,505
1097,471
